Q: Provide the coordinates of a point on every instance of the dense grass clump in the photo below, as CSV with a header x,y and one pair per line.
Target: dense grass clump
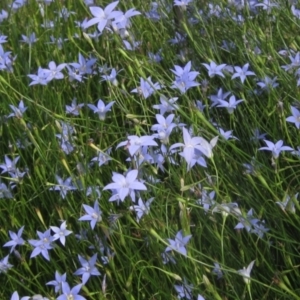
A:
x,y
149,150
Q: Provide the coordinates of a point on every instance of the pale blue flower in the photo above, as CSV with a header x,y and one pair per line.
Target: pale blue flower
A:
x,y
276,148
179,243
295,118
246,272
93,214
61,232
101,109
102,17
214,69
242,73
70,294
57,283
230,105
126,185
88,268
142,208
16,239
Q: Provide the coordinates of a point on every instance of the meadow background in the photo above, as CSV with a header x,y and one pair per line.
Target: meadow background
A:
x,y
169,187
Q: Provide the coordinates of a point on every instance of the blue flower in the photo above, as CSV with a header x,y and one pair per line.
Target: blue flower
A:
x,y
17,111
60,232
5,265
88,268
63,186
184,78
69,293
246,272
166,105
10,165
135,143
214,69
74,108
142,208
93,214
101,109
42,245
242,72
126,185
57,283
276,148
147,87
230,105
16,239
102,17
179,243
295,118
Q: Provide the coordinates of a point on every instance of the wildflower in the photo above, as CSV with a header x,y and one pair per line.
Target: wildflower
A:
x,y
267,83
167,257
126,185
123,20
147,87
74,108
63,186
5,265
257,135
103,157
217,98
226,208
42,245
190,144
184,290
112,77
93,214
179,243
102,17
101,109
135,143
155,57
164,127
74,74
166,105
54,71
5,191
10,165
87,268
207,200
142,208
184,78
17,111
83,66
200,106
267,5
182,3
217,270
70,294
57,283
214,69
246,272
15,296
16,239
276,148
242,72
132,46
60,232
295,118
230,105
40,78
288,204
227,134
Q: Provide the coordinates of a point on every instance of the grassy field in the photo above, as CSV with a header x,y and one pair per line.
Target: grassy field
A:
x,y
149,150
